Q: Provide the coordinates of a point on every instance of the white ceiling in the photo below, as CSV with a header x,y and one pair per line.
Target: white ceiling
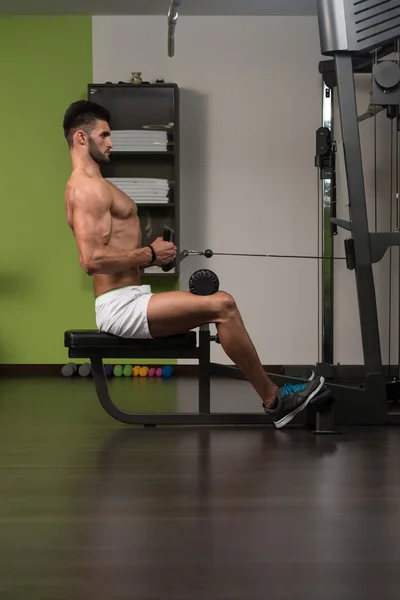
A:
x,y
159,7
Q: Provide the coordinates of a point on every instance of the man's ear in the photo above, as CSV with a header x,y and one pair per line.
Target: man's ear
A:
x,y
80,138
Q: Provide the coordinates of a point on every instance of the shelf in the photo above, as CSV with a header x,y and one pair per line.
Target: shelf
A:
x,y
161,274
147,204
144,153
146,147
127,84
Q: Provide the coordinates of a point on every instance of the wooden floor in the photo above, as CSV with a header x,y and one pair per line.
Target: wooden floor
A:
x,y
90,509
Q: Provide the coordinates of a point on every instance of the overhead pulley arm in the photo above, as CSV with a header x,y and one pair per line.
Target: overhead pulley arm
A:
x,y
172,21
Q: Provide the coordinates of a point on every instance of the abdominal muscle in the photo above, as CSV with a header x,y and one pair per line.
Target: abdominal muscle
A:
x,y
105,283
126,235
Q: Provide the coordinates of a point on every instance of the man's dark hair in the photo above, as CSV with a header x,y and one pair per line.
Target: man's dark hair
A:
x,y
83,115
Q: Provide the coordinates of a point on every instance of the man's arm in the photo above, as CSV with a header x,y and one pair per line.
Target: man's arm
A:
x,y
92,224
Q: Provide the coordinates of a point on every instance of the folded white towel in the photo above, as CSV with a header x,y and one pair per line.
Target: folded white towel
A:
x,y
143,195
140,179
149,201
142,188
139,135
130,138
118,148
153,185
147,132
153,132
139,143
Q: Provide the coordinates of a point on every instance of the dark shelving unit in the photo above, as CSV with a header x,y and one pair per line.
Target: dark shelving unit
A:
x,y
146,106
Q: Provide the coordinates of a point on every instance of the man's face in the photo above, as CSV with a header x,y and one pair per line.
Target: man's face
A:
x,y
100,143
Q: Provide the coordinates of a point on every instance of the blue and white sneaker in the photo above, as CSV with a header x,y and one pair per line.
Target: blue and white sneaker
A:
x,y
292,399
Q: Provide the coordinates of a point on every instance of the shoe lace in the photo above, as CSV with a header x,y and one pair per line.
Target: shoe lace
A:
x,y
290,389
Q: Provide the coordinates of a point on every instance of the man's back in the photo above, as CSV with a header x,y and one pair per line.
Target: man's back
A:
x,y
100,213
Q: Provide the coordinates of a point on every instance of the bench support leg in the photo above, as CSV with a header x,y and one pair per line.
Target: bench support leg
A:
x,y
100,383
204,370
203,417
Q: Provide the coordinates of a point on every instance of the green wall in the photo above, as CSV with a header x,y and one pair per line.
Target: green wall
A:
x,y
45,63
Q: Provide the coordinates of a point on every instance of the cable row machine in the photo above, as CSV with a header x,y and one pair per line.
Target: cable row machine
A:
x,y
361,36
357,35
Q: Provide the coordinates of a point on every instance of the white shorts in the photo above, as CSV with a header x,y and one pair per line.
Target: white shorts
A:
x,y
123,311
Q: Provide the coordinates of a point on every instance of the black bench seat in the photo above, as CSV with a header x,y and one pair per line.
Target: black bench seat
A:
x,y
84,343
96,345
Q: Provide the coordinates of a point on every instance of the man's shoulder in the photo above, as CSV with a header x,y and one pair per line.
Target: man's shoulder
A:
x,y
81,187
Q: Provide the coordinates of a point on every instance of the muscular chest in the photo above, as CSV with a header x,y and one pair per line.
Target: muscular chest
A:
x,y
125,226
123,208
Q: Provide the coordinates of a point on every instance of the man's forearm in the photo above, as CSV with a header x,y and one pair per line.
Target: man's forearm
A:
x,y
109,259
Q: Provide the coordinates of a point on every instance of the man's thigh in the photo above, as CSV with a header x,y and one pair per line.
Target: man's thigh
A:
x,y
171,313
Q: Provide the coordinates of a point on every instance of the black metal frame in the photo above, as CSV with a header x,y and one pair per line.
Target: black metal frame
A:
x,y
367,405
359,219
352,404
360,64
201,352
336,73
319,416
350,47
325,161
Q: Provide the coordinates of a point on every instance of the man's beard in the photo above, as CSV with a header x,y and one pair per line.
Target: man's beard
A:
x,y
99,157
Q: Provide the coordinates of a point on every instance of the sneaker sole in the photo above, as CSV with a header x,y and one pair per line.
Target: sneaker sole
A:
x,y
291,415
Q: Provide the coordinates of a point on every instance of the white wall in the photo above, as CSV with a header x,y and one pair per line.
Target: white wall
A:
x,y
250,106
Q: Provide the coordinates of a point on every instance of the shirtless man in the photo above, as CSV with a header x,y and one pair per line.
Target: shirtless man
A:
x,y
107,231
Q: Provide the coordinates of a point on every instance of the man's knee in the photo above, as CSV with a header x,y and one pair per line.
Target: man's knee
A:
x,y
226,305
